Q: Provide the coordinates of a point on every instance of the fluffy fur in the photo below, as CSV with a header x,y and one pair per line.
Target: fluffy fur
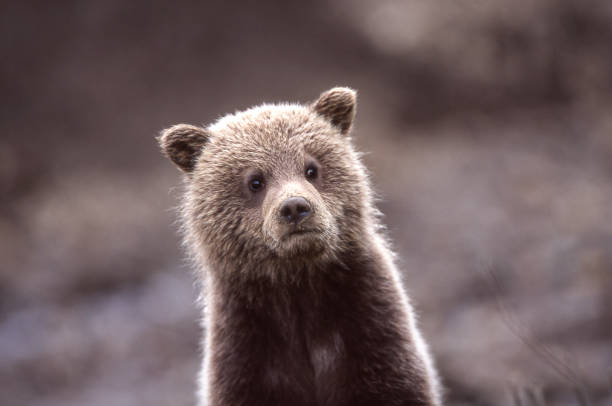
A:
x,y
305,312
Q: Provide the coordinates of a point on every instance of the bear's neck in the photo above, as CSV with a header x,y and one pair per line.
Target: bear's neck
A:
x,y
291,280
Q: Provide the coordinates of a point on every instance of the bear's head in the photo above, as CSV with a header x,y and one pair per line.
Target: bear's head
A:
x,y
273,183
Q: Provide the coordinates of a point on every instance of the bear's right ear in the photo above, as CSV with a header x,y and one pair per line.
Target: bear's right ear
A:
x,y
183,144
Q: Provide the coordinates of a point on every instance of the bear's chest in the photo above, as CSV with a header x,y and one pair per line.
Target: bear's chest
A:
x,y
309,364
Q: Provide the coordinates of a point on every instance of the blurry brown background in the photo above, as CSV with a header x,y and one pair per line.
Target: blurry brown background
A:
x,y
488,128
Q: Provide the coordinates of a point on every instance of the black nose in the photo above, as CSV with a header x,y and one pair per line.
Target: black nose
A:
x,y
294,210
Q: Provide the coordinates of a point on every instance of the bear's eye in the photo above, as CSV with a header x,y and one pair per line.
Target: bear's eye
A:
x,y
256,184
311,172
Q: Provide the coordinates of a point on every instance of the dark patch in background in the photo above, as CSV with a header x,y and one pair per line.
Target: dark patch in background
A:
x,y
489,134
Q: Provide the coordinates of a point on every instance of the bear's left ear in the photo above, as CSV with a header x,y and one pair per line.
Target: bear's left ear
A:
x,y
338,106
183,144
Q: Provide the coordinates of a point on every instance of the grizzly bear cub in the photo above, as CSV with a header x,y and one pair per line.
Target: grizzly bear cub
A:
x,y
302,301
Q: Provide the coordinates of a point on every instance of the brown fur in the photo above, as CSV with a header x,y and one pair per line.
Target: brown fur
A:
x,y
303,314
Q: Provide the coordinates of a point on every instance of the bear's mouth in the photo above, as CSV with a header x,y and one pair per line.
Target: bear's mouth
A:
x,y
301,242
299,232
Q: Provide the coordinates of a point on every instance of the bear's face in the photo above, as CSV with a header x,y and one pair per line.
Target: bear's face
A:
x,y
273,181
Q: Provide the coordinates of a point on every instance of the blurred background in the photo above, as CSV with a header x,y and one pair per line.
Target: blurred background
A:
x,y
489,136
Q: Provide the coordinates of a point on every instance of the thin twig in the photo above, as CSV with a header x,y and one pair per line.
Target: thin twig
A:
x,y
520,331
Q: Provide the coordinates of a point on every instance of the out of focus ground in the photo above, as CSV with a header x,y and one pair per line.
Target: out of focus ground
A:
x,y
489,136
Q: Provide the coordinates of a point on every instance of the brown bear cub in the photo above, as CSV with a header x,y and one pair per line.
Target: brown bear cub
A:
x,y
302,301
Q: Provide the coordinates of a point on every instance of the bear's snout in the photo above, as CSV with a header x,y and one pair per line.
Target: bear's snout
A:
x,y
294,210
296,221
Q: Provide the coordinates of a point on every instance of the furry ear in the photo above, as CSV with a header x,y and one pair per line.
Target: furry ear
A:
x,y
183,144
338,106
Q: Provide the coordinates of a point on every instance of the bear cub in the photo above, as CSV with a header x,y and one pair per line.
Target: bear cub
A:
x,y
302,301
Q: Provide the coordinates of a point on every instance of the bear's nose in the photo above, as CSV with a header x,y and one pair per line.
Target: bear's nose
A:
x,y
294,210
